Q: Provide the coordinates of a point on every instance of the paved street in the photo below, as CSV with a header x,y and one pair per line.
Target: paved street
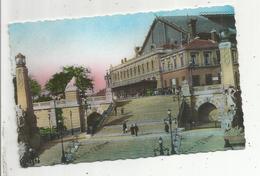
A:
x,y
100,148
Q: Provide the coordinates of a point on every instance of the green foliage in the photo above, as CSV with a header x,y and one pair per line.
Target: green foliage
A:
x,y
58,82
42,98
35,87
47,131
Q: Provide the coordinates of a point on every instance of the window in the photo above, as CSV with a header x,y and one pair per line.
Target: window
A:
x,y
124,74
181,59
219,78
209,79
127,73
118,75
165,83
147,65
152,65
163,66
177,82
138,68
193,58
131,72
195,80
143,68
169,65
207,58
218,56
174,63
121,75
134,70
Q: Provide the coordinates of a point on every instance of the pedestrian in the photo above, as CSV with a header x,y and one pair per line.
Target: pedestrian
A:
x,y
115,111
132,129
124,127
122,111
136,129
166,127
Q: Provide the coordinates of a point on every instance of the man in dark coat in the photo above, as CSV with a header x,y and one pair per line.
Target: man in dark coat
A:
x,y
136,129
124,127
132,129
166,127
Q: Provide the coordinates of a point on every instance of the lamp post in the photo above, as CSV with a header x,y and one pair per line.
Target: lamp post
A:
x,y
63,159
49,117
161,148
191,64
169,119
71,125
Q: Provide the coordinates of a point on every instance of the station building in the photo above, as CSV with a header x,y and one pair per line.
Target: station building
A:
x,y
176,48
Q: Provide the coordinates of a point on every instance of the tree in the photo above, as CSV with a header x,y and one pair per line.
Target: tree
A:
x,y
35,87
58,81
82,80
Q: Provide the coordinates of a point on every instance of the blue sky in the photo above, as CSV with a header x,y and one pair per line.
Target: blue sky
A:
x,y
95,42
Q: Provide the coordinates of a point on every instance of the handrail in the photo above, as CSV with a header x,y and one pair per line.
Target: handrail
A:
x,y
105,114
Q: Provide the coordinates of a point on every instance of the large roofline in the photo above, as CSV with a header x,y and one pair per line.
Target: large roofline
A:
x,y
170,24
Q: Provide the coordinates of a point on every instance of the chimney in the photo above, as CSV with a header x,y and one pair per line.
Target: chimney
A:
x,y
192,27
122,61
213,34
137,51
125,59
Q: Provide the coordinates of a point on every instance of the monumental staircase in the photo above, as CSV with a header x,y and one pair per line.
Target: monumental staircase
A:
x,y
147,112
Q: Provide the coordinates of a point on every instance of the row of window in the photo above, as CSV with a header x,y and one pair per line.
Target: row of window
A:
x,y
171,63
196,80
131,72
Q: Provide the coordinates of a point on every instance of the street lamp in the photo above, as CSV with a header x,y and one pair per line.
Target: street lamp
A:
x,y
71,125
161,148
63,159
191,64
169,119
49,117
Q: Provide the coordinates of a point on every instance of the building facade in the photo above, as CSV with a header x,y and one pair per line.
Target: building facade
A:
x,y
175,49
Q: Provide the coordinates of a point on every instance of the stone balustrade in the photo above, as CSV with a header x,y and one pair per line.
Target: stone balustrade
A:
x,y
210,89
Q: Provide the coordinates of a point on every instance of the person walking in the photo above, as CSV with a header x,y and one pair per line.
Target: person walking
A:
x,y
132,129
136,129
115,111
166,127
122,111
124,127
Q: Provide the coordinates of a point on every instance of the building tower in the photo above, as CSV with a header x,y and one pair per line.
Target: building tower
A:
x,y
23,92
226,60
28,131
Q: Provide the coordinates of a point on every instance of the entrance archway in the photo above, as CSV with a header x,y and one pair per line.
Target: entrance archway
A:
x,y
92,122
207,113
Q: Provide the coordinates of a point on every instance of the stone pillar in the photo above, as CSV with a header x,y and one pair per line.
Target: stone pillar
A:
x,y
227,70
75,105
24,99
28,132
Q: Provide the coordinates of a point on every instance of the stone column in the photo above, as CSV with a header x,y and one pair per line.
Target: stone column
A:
x,y
227,70
24,98
27,131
